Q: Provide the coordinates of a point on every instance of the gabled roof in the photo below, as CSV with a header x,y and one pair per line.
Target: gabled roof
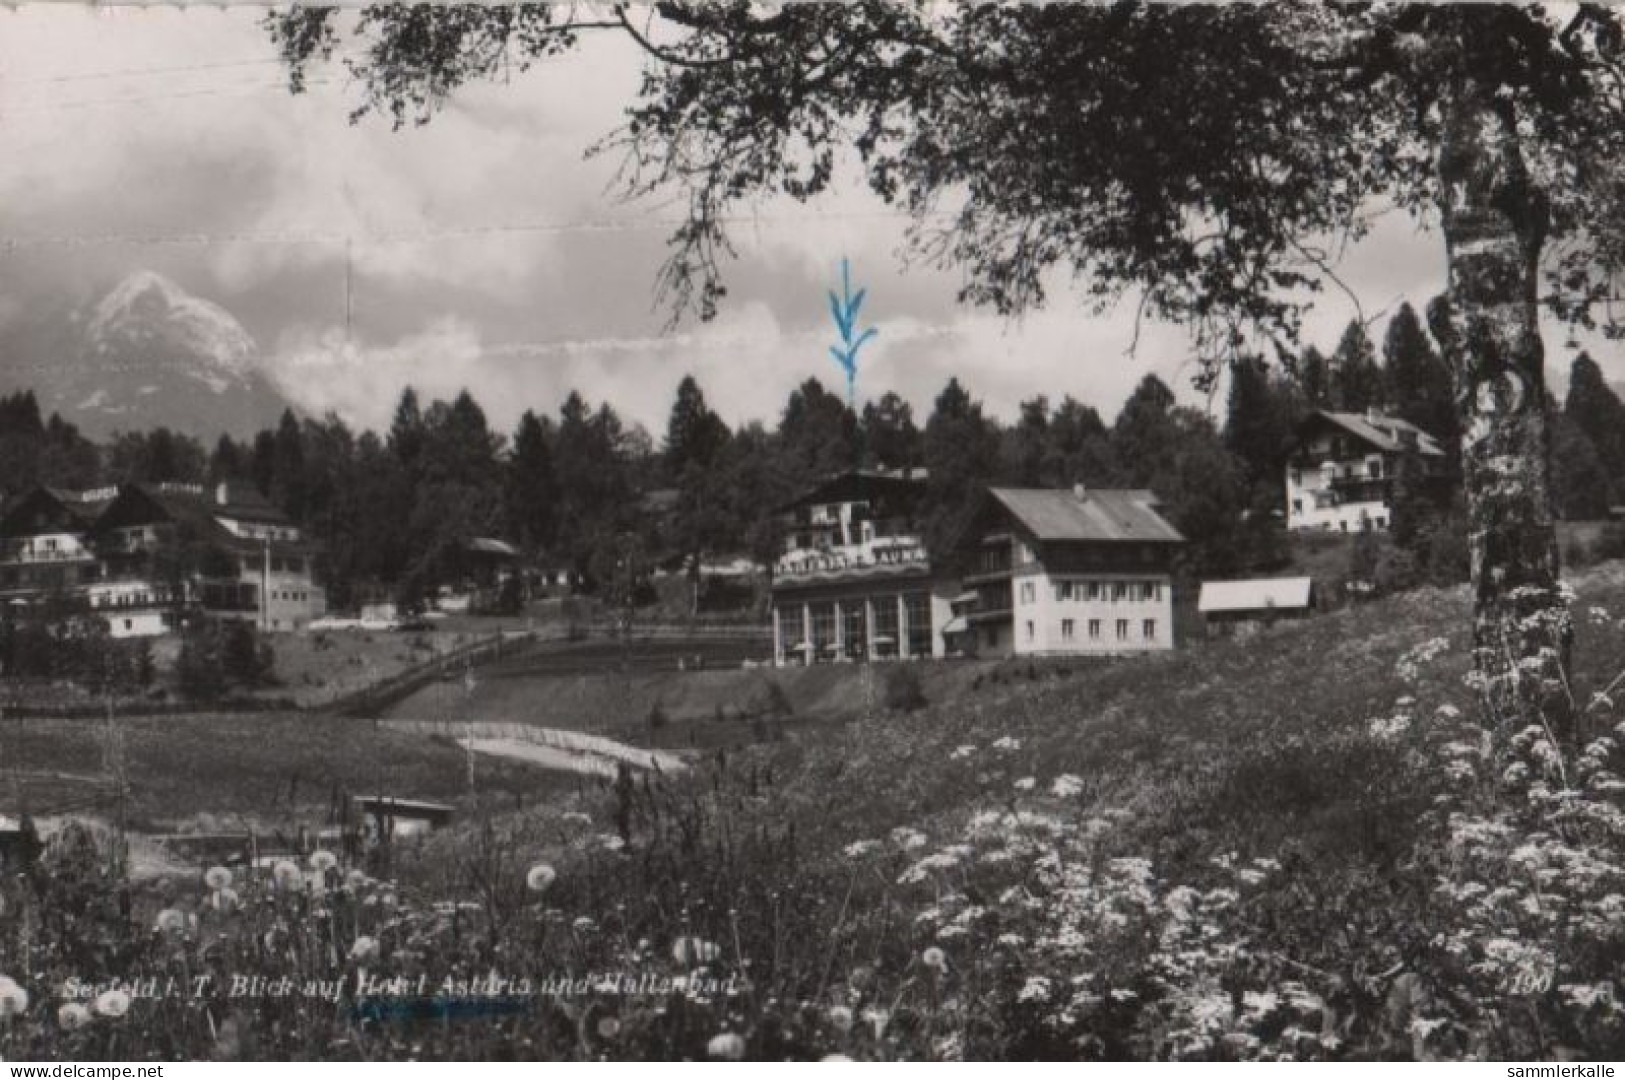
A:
x,y
857,485
239,500
1389,434
1092,514
1257,594
194,505
76,508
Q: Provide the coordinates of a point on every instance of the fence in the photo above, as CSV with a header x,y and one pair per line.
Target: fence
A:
x,y
371,700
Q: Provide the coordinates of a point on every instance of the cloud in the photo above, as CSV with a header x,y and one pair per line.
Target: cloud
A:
x,y
483,251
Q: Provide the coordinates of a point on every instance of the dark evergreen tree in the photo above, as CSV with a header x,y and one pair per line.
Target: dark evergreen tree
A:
x,y
888,433
1594,409
961,450
1419,383
1356,377
531,489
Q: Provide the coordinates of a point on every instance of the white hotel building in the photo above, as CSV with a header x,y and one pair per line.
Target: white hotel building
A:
x,y
1065,573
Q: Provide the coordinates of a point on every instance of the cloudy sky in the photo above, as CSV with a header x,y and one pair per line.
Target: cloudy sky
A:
x,y
483,250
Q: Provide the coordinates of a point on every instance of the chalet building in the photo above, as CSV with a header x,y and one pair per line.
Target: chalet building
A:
x,y
1240,608
1076,572
145,555
1342,472
853,581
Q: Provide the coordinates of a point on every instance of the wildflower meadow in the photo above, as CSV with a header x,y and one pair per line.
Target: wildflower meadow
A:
x,y
1316,845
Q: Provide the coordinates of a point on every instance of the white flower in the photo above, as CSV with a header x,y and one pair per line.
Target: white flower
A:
x,y
224,899
322,861
286,874
691,951
1007,744
840,1017
365,948
540,877
878,1019
72,1016
935,959
960,753
13,998
1036,989
908,839
859,848
1065,786
217,878
355,879
1026,783
727,1046
113,1003
171,921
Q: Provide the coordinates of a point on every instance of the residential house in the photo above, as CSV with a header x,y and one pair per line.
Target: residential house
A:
x,y
853,581
143,556
1343,471
1075,572
1241,607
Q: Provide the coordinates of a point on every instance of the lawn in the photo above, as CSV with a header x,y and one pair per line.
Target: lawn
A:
x,y
265,771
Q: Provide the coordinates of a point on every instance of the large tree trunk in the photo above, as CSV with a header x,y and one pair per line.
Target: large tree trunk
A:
x,y
1488,324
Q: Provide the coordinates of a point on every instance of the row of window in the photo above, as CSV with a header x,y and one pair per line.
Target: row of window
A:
x,y
1069,630
794,620
1114,591
290,594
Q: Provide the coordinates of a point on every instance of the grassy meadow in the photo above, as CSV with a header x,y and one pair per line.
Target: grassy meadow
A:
x,y
1304,846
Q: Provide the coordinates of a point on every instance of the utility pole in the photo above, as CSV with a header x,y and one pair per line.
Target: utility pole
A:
x,y
265,587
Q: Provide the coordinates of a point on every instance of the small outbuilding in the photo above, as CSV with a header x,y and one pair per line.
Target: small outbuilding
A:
x,y
1239,607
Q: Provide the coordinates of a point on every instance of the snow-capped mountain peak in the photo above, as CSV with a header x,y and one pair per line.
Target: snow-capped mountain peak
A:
x,y
149,308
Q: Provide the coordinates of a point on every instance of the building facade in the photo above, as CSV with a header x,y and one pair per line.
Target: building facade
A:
x,y
853,581
1240,608
1344,468
1065,573
145,556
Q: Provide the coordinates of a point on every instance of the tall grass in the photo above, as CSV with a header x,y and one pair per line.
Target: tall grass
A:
x,y
1310,845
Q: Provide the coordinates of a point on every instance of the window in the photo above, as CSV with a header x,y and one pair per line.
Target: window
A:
x,y
1094,590
1063,590
129,624
1148,629
1119,590
1297,506
1122,629
918,613
1029,629
1027,592
1374,468
1068,630
1094,629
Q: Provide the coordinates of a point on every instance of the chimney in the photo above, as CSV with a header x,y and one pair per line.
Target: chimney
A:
x,y
222,493
1373,415
1080,492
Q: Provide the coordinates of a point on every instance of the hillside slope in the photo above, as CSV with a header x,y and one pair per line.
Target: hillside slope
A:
x,y
1267,849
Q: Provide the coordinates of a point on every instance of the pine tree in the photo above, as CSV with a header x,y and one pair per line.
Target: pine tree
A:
x,y
1356,378
889,436
1419,383
1594,409
530,489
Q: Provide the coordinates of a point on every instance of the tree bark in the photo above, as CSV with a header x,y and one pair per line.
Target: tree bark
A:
x,y
1494,220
